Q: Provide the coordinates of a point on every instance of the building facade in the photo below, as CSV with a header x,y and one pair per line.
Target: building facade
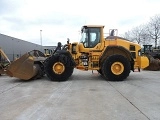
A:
x,y
14,47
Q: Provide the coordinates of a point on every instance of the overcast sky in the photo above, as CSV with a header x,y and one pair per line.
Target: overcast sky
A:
x,y
62,19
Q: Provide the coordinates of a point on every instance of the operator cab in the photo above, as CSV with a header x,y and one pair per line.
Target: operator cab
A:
x,y
90,36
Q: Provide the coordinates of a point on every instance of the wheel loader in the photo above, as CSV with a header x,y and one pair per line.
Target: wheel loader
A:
x,y
153,55
4,62
112,56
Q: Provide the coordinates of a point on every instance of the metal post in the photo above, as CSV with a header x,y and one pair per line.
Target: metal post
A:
x,y
41,39
13,48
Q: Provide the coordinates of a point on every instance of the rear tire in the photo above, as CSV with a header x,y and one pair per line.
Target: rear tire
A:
x,y
57,69
116,68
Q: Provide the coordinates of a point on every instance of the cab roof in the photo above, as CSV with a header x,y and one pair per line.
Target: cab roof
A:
x,y
93,26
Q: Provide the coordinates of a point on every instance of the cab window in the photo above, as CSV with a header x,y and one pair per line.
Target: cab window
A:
x,y
90,37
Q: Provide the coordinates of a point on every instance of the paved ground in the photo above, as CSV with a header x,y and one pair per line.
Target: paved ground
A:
x,y
85,96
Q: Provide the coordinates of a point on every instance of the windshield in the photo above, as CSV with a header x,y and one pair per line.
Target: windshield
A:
x,y
90,37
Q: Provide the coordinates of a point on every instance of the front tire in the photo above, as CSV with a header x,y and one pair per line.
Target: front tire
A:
x,y
57,68
100,72
116,68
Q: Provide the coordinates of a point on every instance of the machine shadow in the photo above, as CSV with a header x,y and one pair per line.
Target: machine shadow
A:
x,y
91,77
17,80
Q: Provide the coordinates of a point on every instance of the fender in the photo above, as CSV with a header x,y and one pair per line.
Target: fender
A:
x,y
111,50
66,53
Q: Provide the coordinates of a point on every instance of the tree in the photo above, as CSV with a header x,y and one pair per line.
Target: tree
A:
x,y
153,28
137,34
127,35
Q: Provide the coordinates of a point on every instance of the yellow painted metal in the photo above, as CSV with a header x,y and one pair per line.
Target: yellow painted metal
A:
x,y
58,68
22,68
117,68
143,62
4,55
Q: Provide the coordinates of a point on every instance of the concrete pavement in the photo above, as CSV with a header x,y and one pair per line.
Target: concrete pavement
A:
x,y
85,96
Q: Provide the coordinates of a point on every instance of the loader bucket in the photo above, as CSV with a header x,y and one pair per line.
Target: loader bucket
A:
x,y
154,64
22,68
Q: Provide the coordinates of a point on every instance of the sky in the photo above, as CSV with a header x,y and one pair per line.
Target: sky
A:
x,y
54,21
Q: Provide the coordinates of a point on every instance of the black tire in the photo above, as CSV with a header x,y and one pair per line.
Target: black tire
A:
x,y
122,72
100,71
62,60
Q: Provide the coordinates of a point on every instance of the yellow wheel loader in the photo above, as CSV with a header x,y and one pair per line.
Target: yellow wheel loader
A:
x,y
112,56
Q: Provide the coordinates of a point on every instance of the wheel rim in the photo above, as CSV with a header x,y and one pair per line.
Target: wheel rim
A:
x,y
58,68
117,68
